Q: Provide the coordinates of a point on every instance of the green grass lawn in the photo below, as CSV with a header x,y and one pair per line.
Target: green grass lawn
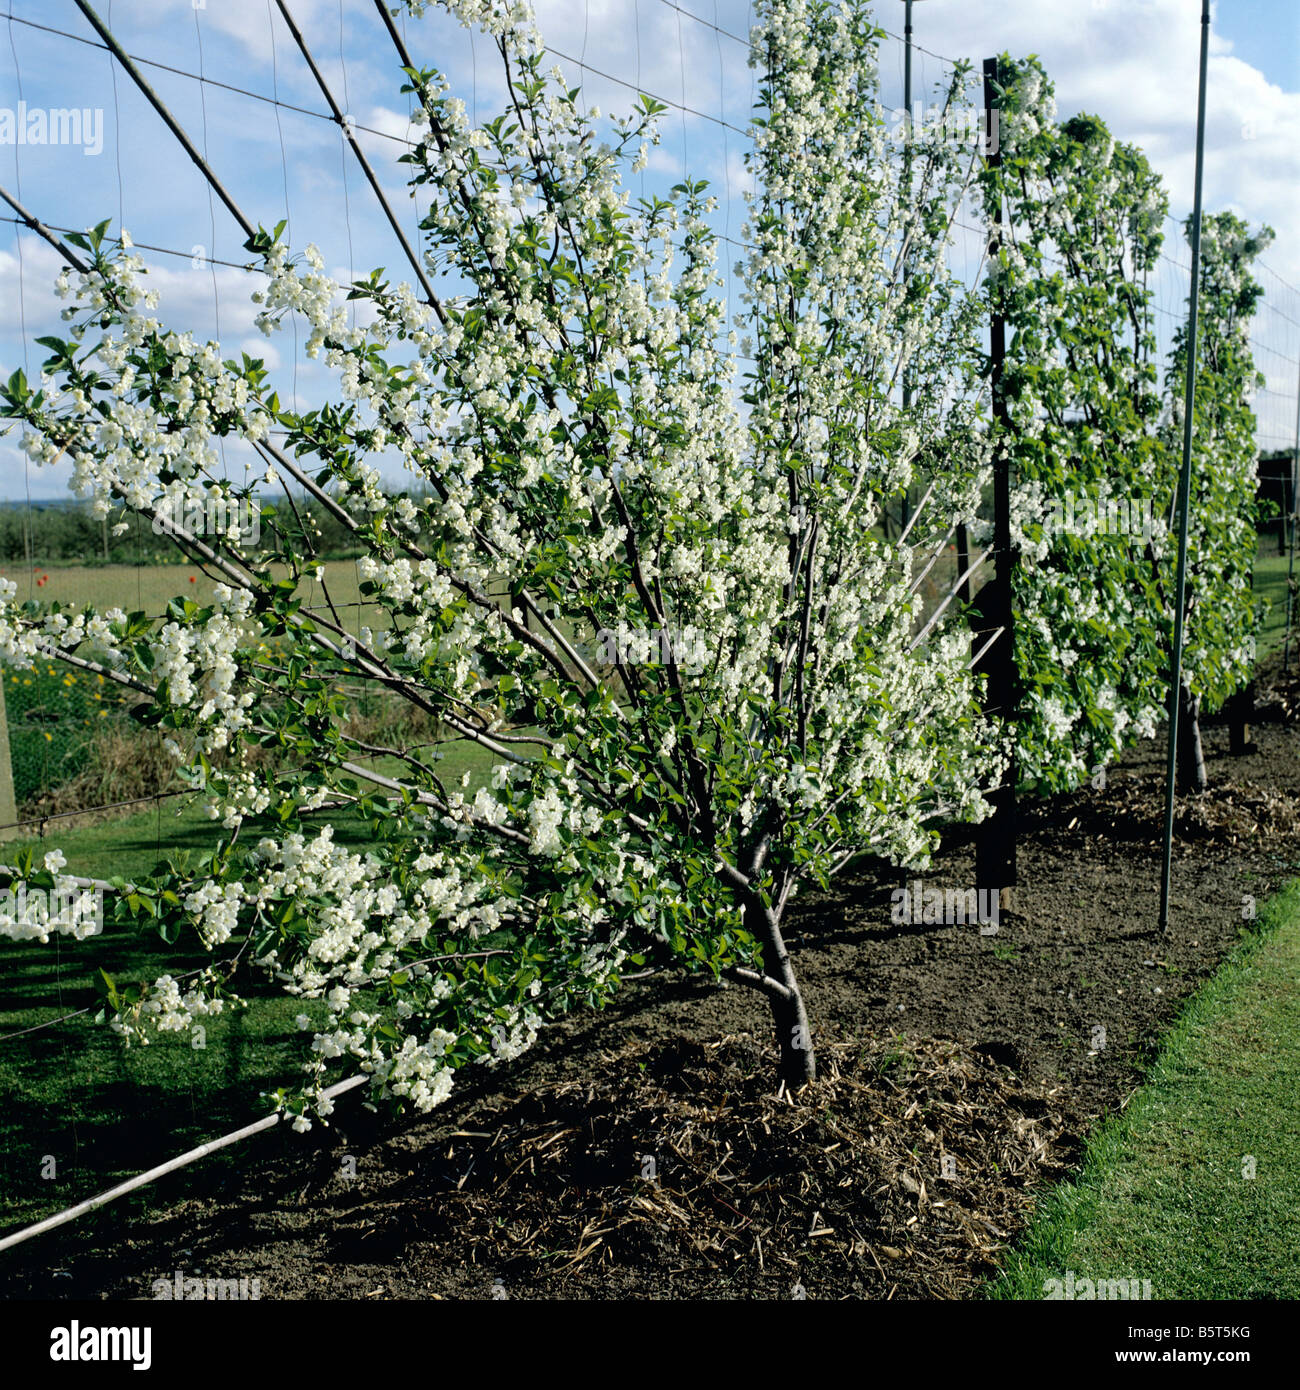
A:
x,y
1196,1186
1270,581
100,1112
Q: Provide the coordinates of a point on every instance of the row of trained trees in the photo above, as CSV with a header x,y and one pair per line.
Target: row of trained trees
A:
x,y
594,446
1095,436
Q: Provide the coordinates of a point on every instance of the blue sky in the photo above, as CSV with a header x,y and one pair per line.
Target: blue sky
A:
x,y
1265,34
1133,62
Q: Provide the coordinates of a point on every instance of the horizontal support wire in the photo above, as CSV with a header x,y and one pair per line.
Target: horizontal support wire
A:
x,y
77,1013
144,246
104,806
746,43
208,81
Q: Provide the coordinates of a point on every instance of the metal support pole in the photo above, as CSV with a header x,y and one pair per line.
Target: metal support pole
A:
x,y
907,167
995,844
1185,481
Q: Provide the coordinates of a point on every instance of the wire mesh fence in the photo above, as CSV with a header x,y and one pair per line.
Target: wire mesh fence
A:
x,y
56,715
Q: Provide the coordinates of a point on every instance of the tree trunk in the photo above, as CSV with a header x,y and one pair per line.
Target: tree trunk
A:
x,y
1191,757
794,1039
798,1061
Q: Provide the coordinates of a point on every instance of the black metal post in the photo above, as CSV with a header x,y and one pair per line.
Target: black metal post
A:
x,y
995,844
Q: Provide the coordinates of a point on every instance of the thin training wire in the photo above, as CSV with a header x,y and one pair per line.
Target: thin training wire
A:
x,y
117,129
121,220
747,43
636,15
140,245
410,111
681,61
343,155
726,165
22,318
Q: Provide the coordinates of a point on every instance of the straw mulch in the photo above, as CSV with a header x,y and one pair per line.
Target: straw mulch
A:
x,y
903,1171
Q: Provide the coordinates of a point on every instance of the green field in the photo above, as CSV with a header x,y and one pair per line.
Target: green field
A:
x,y
147,588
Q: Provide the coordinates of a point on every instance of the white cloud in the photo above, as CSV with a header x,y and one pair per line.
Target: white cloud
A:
x,y
1135,65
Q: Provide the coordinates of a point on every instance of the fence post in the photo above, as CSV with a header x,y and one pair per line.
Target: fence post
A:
x,y
995,842
1241,711
963,562
1290,523
8,803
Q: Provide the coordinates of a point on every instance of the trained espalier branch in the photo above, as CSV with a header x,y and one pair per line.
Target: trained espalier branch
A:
x,y
588,462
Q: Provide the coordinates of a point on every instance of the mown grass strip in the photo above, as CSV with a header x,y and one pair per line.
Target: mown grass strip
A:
x,y
1195,1187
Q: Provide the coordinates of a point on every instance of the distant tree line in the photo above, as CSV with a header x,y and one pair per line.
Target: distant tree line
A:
x,y
67,532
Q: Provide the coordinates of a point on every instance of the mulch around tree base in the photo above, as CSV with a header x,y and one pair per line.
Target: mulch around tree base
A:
x,y
646,1152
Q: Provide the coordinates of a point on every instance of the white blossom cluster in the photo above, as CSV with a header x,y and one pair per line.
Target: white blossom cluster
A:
x,y
67,908
165,1009
571,406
